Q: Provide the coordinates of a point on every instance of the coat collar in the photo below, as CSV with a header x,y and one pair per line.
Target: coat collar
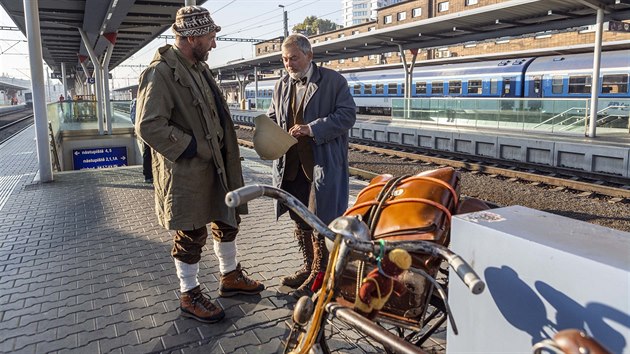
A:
x,y
168,55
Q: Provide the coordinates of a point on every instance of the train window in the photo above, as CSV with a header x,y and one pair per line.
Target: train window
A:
x,y
402,89
474,87
269,93
367,89
580,84
615,83
494,86
380,89
421,87
437,87
392,89
556,84
455,87
357,89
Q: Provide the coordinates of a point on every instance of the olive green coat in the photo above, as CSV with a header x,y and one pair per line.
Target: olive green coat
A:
x,y
189,193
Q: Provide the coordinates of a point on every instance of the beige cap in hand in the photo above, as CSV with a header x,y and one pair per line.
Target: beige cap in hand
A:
x,y
270,140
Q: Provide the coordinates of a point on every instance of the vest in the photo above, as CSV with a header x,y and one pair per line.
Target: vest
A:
x,y
299,155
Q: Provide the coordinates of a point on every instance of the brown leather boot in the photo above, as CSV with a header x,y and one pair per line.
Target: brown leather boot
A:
x,y
305,242
195,304
237,282
320,261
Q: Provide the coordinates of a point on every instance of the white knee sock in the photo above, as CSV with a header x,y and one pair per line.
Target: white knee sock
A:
x,y
226,252
187,274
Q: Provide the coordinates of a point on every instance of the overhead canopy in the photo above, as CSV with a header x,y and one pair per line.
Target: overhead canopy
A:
x,y
9,86
505,19
136,23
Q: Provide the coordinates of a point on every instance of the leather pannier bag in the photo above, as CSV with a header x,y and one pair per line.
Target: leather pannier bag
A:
x,y
408,208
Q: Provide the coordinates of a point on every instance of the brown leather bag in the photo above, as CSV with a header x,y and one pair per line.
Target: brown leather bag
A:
x,y
573,341
410,208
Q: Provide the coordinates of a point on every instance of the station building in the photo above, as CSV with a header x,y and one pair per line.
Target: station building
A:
x,y
416,10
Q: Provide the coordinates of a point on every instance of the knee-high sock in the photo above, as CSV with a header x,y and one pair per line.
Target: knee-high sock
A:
x,y
187,274
226,253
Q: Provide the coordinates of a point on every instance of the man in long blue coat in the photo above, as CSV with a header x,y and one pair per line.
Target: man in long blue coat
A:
x,y
314,105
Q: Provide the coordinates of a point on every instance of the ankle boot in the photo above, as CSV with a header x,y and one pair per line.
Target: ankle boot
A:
x,y
237,282
305,242
195,304
320,261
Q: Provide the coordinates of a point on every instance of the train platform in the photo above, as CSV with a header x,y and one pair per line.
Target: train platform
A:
x,y
606,154
84,267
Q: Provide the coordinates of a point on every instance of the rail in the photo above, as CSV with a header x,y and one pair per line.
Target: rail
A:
x,y
559,115
600,122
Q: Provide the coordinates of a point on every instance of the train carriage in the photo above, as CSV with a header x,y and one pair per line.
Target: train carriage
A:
x,y
561,77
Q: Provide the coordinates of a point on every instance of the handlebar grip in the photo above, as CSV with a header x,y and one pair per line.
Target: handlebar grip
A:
x,y
467,275
243,195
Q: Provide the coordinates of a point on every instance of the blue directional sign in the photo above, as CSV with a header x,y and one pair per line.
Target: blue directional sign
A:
x,y
91,80
102,157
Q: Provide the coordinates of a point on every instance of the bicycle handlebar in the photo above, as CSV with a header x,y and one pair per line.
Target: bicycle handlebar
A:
x,y
463,270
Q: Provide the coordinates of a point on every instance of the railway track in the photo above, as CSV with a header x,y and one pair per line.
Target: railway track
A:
x,y
13,123
613,188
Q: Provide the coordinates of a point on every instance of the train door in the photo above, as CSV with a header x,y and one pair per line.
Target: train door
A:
x,y
535,87
508,92
508,87
534,92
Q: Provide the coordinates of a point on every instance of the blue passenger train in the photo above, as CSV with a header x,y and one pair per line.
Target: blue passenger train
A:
x,y
561,76
28,99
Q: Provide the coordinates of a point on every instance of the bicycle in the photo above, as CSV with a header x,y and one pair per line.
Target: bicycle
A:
x,y
349,240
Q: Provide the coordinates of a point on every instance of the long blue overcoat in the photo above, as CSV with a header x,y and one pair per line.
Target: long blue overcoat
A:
x,y
330,111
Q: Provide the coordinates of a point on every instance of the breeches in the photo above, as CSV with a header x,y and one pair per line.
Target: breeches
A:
x,y
188,244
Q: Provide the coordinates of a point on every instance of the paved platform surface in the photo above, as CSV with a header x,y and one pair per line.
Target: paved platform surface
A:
x,y
85,268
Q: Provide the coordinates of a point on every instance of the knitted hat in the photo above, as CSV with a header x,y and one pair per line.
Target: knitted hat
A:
x,y
194,21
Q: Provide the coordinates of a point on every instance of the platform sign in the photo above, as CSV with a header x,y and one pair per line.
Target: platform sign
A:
x,y
618,26
103,157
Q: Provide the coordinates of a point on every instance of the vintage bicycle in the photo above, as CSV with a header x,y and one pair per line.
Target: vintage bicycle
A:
x,y
392,216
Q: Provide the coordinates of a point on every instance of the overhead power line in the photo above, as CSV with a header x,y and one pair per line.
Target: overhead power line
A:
x,y
252,40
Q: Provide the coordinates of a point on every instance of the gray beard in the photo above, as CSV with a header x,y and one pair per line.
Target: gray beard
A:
x,y
297,76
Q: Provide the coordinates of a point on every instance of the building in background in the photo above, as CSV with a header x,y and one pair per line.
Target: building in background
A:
x,y
356,12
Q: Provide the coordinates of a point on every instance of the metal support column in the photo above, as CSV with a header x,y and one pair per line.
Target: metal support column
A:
x,y
99,80
256,87
408,77
111,37
31,17
63,80
86,72
597,57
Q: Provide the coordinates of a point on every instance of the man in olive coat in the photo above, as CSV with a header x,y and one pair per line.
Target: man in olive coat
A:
x,y
182,115
314,105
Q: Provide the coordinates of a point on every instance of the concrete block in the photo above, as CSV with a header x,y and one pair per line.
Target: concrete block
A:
x,y
543,273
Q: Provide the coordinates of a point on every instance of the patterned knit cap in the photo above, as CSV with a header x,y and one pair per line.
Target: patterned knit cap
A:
x,y
194,21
